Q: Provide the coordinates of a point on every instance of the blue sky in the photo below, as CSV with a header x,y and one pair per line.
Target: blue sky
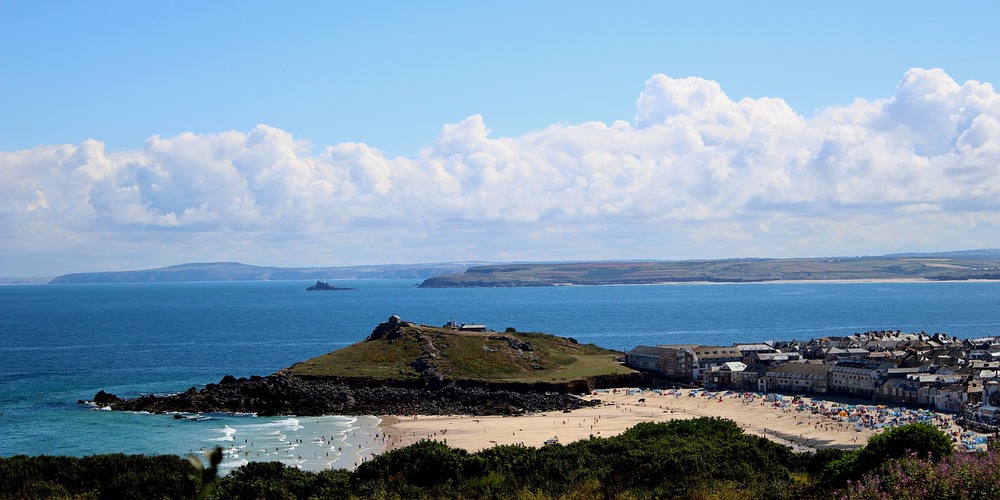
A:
x,y
163,102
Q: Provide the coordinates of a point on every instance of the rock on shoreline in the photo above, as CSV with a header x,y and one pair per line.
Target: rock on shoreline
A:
x,y
280,394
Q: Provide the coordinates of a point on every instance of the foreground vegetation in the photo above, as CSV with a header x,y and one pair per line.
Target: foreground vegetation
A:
x,y
700,458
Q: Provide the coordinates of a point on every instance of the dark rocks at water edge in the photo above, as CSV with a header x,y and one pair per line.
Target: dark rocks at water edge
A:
x,y
280,394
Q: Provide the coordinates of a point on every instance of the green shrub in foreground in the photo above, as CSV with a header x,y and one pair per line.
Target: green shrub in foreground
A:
x,y
105,476
699,458
921,440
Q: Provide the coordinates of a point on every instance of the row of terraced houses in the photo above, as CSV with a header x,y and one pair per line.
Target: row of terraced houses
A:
x,y
938,371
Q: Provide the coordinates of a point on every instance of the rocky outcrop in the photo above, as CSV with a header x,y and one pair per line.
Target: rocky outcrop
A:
x,y
389,330
280,394
322,285
513,343
104,399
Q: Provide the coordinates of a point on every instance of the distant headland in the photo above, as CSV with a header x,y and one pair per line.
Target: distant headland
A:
x,y
948,266
235,271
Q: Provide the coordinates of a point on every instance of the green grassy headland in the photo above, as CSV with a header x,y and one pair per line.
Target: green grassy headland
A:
x,y
412,352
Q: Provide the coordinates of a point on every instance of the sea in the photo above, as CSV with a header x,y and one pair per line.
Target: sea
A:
x,y
60,344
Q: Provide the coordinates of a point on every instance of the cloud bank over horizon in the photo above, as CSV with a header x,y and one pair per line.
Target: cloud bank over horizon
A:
x,y
694,174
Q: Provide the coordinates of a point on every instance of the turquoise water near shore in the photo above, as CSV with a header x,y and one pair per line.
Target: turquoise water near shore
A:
x,y
63,343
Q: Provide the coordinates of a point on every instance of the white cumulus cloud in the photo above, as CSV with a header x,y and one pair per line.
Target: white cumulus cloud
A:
x,y
694,174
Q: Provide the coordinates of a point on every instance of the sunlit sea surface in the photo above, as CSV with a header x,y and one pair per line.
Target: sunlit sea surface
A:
x,y
63,343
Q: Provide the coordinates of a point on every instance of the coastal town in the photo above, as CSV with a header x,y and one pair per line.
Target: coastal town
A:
x,y
936,371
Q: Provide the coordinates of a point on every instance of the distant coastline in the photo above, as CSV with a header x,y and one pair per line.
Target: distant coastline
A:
x,y
235,271
799,282
981,265
963,265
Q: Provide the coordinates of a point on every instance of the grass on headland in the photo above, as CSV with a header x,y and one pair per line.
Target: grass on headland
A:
x,y
482,356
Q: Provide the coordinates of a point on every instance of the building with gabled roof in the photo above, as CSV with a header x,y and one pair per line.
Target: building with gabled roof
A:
x,y
646,358
721,375
707,356
675,363
798,378
771,358
857,378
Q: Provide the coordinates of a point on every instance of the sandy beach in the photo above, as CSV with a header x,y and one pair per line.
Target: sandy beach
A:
x,y
802,423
